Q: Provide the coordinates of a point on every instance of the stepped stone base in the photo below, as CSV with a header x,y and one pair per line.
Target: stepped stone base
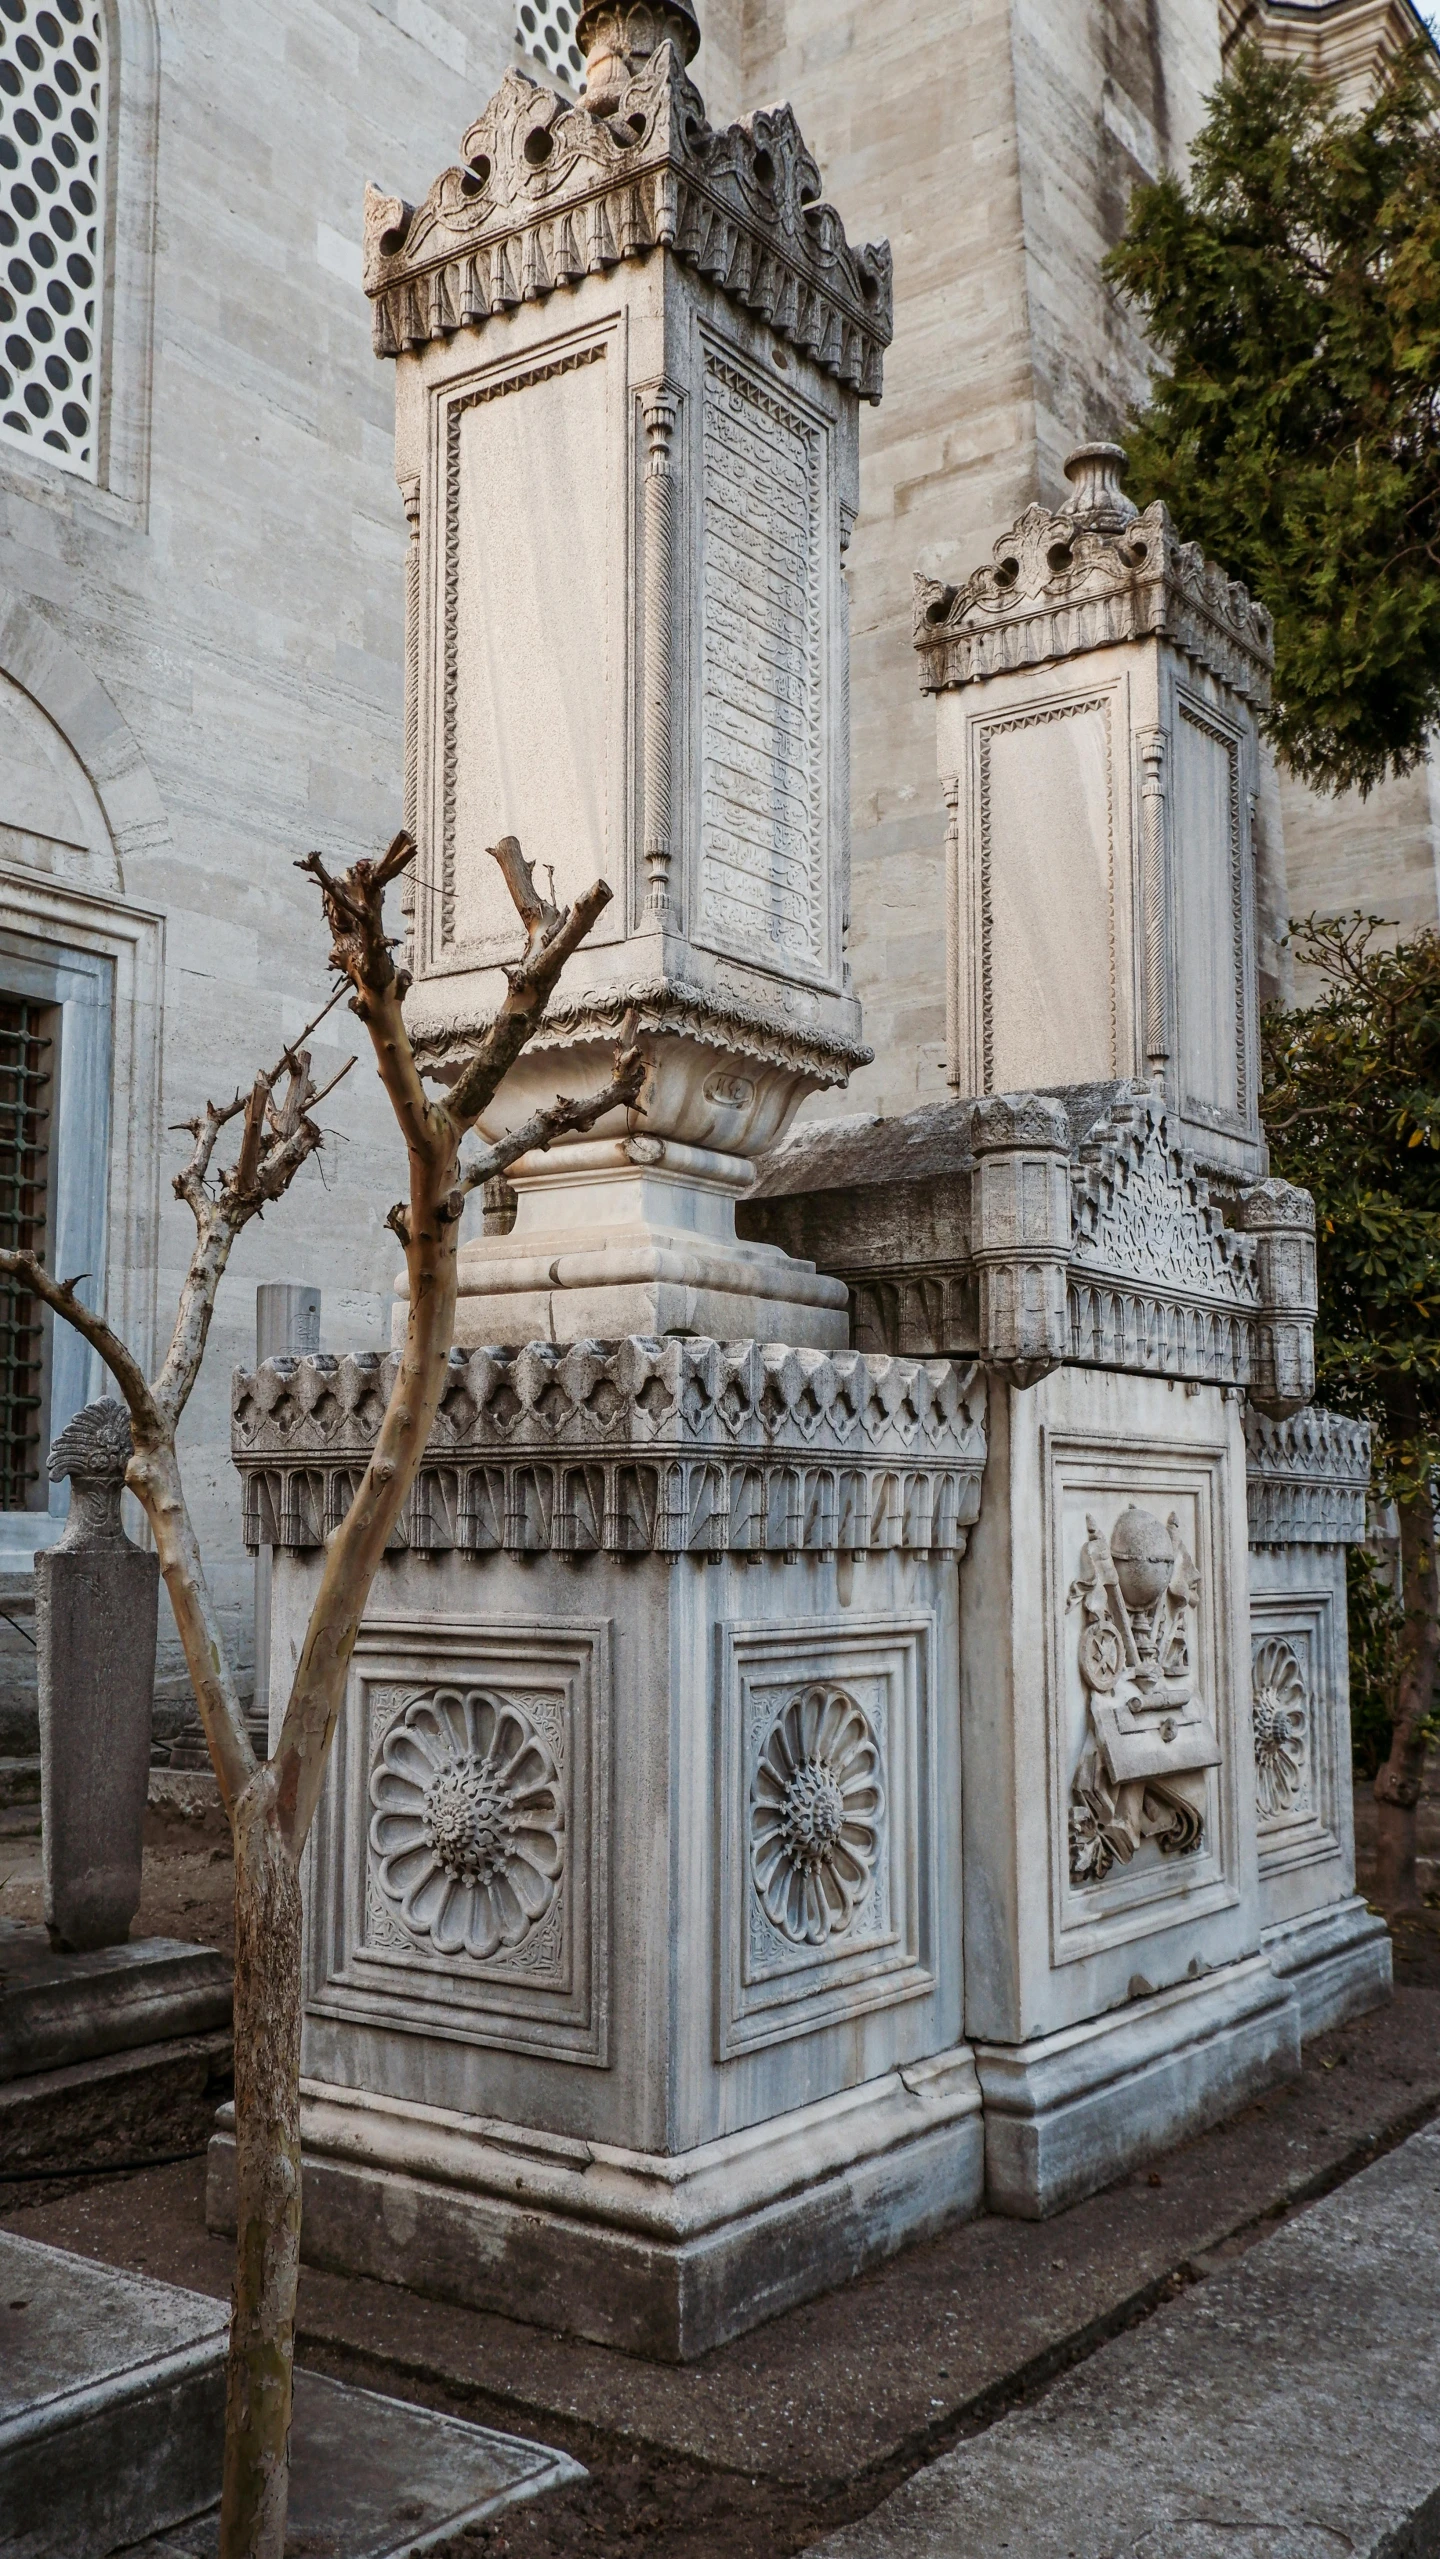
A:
x,y
1336,1962
664,2257
118,2054
1069,2112
112,2403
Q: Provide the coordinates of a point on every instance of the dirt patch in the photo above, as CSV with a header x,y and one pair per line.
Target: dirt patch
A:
x,y
187,1885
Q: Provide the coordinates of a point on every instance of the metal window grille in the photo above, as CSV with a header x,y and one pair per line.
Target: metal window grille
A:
x,y
545,29
25,1073
53,109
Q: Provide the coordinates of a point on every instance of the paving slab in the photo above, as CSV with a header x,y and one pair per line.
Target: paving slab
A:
x,y
1284,2410
112,2402
376,2478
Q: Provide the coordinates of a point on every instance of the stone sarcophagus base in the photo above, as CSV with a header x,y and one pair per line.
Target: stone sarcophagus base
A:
x,y
634,1998
1117,1994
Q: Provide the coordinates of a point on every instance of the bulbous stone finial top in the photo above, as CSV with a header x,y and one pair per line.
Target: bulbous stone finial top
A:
x,y
1097,499
97,1444
94,1451
616,36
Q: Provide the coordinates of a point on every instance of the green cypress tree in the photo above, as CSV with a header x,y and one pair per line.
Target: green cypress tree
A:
x,y
1291,292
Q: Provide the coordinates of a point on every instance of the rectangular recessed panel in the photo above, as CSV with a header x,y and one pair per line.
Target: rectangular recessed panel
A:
x,y
1207,934
1044,910
527,727
761,892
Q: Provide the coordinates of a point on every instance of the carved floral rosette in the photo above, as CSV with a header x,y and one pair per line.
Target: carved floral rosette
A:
x,y
1148,1734
1280,1715
816,1805
468,1826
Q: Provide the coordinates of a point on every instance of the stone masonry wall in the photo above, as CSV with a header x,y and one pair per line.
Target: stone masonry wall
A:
x,y
245,617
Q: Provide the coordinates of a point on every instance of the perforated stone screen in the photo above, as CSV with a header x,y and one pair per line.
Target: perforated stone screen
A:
x,y
546,30
52,190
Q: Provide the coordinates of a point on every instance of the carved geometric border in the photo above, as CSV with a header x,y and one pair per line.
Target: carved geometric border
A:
x,y
1089,1920
1310,1835
551,1996
768,1994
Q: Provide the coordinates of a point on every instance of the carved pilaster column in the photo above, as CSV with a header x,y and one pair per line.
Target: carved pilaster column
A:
x,y
1020,1231
956,1066
1153,892
847,527
1282,1219
410,500
660,410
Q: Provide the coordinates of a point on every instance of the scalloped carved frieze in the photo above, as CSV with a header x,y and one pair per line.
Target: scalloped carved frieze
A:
x,y
1057,586
1307,1479
1143,1216
547,193
673,1447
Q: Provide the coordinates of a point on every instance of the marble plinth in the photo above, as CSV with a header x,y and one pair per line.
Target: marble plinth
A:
x,y
1335,1961
1067,2113
661,2255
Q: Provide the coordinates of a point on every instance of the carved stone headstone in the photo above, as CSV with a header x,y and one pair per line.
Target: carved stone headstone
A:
x,y
630,355
96,1599
1098,685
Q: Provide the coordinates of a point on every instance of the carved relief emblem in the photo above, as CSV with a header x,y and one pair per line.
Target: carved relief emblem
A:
x,y
1281,1711
469,1821
1148,1733
816,1805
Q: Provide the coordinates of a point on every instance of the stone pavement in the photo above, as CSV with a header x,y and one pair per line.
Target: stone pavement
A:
x,y
1285,2411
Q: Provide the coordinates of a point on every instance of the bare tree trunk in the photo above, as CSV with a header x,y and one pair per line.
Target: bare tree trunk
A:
x,y
267,2177
1398,1785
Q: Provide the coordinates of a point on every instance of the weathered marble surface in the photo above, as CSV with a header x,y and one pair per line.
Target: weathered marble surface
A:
x,y
96,1607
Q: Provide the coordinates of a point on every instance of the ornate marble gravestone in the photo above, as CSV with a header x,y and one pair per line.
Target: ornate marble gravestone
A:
x,y
1097,688
630,353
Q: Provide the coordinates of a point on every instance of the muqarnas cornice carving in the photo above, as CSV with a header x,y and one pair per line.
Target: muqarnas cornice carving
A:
x,y
1095,573
674,1447
549,193
787,1033
1307,1479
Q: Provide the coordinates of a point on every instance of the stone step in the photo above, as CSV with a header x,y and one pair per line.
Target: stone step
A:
x,y
112,2402
19,1783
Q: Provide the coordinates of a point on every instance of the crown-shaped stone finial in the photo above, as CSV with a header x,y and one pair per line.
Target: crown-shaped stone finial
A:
x,y
1097,499
616,36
